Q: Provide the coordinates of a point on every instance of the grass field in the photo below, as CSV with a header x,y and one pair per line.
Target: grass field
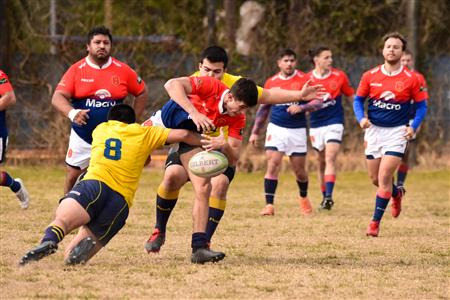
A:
x,y
286,256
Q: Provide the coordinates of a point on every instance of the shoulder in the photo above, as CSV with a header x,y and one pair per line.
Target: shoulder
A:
x,y
338,72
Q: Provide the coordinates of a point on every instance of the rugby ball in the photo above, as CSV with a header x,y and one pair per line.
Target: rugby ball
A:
x,y
208,163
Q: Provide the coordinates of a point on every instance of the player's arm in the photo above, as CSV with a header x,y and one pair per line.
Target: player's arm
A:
x,y
178,90
7,99
261,116
61,101
310,106
358,102
185,136
140,101
276,96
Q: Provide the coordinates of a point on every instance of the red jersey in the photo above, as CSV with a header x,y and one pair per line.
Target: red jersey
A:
x,y
390,95
97,89
207,96
335,83
5,86
279,114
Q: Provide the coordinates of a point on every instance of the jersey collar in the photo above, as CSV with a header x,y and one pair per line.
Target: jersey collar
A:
x,y
383,70
95,66
287,78
318,76
221,109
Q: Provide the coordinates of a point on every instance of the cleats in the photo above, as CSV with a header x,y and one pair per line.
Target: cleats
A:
x,y
327,203
155,241
23,195
396,204
204,255
268,210
80,254
44,249
374,228
305,206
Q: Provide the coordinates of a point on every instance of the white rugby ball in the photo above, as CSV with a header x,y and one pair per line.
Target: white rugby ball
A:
x,y
208,163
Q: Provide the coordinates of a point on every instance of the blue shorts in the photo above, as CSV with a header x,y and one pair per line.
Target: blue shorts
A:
x,y
107,208
3,146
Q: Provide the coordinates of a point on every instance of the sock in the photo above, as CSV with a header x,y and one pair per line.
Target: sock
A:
x,y
394,191
198,241
216,210
401,174
7,180
381,203
303,187
323,189
329,184
165,202
53,233
270,186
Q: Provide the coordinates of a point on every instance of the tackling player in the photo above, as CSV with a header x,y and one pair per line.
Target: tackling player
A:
x,y
100,202
8,99
86,92
327,124
408,61
286,132
390,89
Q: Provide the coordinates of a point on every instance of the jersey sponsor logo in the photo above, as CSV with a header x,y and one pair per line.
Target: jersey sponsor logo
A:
x,y
88,80
75,192
103,94
221,122
376,84
386,105
96,103
115,80
287,104
399,86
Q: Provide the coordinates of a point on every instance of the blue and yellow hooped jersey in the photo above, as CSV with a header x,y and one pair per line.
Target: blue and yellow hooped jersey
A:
x,y
119,152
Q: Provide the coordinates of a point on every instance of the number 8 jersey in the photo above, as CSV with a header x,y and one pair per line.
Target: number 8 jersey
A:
x,y
119,152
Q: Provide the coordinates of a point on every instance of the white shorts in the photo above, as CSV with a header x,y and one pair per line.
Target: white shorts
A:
x,y
79,152
320,136
380,141
156,119
292,141
3,146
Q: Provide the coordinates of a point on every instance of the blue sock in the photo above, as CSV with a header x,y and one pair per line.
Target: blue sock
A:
x,y
380,207
165,203
53,233
329,184
303,187
270,186
401,174
213,221
394,191
8,181
199,241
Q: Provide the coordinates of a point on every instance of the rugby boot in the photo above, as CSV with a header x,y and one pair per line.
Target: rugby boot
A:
x,y
374,228
327,203
155,241
44,249
23,195
268,210
204,255
80,254
305,206
396,203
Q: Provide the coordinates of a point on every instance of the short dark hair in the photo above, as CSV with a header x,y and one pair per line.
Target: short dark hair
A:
x,y
215,54
99,30
316,51
408,52
396,35
123,113
245,90
287,52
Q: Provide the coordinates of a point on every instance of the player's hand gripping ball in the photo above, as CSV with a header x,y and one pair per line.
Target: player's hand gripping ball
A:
x,y
208,163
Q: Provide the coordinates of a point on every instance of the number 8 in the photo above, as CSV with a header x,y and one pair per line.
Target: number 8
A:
x,y
112,149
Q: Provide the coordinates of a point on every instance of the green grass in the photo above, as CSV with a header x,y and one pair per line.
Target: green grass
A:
x,y
286,256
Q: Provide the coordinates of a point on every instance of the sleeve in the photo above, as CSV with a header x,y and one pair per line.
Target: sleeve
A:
x,y
135,84
236,128
417,94
358,107
423,86
156,136
346,88
67,82
364,87
5,84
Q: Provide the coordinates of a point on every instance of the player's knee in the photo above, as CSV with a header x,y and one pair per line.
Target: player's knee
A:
x,y
173,181
220,187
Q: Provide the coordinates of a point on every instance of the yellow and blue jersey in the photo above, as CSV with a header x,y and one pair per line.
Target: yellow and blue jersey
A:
x,y
119,152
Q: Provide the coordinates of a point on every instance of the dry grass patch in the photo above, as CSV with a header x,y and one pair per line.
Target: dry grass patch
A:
x,y
286,256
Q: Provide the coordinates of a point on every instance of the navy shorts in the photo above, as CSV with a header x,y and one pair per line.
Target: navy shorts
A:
x,y
3,146
107,208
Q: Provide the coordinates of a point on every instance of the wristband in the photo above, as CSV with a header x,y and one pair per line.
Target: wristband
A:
x,y
72,113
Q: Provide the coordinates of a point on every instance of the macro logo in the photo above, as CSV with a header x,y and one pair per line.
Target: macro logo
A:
x,y
103,94
387,96
326,96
